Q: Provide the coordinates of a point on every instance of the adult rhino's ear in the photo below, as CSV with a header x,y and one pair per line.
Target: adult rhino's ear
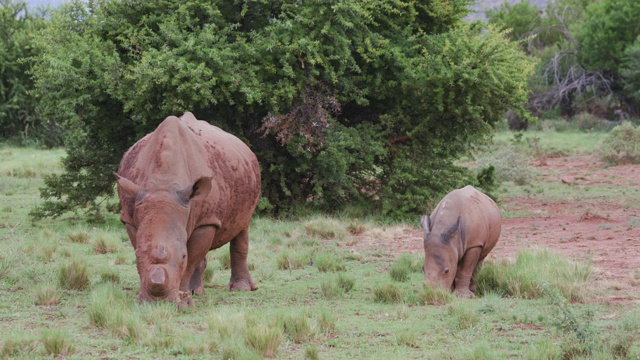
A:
x,y
198,190
425,222
128,186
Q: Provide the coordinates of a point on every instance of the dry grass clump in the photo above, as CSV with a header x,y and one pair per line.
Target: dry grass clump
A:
x,y
293,260
326,228
73,275
17,345
57,343
264,339
104,245
79,236
47,295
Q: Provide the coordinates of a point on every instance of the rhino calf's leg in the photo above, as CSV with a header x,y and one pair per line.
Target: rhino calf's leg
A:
x,y
466,267
240,278
472,285
197,247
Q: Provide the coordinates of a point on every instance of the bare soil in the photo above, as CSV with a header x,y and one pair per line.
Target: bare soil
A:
x,y
598,221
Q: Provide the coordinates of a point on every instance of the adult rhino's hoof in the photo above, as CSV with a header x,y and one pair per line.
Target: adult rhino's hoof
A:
x,y
199,290
464,293
242,286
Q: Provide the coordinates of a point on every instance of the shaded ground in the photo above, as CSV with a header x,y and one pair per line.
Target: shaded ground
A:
x,y
579,208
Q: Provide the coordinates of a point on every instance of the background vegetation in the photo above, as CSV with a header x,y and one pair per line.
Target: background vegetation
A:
x,y
346,103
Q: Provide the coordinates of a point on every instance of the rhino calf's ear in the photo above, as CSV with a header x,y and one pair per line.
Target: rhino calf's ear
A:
x,y
425,222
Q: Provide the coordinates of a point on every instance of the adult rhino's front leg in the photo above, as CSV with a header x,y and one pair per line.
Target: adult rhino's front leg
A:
x,y
197,247
465,271
240,277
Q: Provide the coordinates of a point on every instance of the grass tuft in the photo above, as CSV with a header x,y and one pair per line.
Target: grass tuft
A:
x,y
103,245
434,296
311,352
296,326
326,228
110,275
17,346
292,260
47,295
57,343
463,316
264,340
329,262
407,338
110,308
79,236
346,282
73,275
526,277
402,268
329,288
388,293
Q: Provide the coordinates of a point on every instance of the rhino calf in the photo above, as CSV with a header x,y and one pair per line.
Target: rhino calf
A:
x,y
459,234
187,188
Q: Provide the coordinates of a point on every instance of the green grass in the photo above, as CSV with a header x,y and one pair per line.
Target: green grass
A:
x,y
322,295
527,276
555,143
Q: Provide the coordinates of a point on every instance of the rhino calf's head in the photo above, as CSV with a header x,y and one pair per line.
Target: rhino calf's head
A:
x,y
440,254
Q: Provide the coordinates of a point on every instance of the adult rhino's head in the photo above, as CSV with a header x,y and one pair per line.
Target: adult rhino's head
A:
x,y
440,254
157,230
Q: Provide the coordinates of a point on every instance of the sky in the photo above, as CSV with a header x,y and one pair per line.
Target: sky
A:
x,y
36,3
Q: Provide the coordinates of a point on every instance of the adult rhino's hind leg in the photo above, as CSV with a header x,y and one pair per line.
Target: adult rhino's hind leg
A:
x,y
240,277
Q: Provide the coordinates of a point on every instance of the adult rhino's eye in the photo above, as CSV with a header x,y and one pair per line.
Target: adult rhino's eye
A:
x,y
446,271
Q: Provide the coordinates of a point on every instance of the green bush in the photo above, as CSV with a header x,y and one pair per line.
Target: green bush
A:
x,y
510,164
621,146
18,115
337,116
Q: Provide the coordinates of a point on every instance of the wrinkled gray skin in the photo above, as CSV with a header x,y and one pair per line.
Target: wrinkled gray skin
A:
x,y
187,188
459,234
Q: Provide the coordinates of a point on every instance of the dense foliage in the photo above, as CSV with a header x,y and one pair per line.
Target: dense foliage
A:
x,y
18,115
344,102
586,51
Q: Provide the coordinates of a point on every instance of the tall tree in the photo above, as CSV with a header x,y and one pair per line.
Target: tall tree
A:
x,y
343,101
17,105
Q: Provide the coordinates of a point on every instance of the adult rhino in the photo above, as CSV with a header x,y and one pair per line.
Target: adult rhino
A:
x,y
185,189
459,233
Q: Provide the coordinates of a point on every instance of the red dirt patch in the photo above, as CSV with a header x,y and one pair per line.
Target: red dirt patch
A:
x,y
604,229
